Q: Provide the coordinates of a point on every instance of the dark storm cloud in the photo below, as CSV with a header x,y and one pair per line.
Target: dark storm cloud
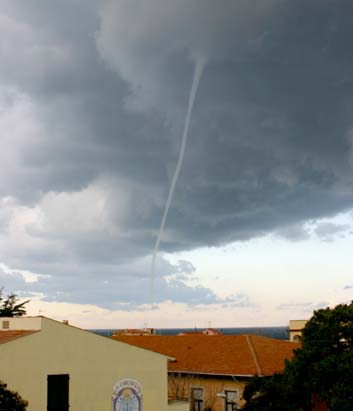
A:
x,y
92,100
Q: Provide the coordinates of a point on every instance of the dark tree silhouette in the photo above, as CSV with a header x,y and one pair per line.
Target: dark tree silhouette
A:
x,y
10,307
10,400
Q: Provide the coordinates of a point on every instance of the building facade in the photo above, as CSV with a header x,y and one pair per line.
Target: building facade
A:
x,y
211,371
57,367
295,329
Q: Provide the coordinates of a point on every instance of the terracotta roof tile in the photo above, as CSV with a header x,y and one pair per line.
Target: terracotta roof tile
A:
x,y
9,335
220,354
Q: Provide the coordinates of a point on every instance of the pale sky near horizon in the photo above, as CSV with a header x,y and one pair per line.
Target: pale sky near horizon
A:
x,y
93,97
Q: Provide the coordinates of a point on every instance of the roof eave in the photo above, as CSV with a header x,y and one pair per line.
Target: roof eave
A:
x,y
215,374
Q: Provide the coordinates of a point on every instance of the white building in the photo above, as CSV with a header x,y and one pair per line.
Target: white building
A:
x,y
295,329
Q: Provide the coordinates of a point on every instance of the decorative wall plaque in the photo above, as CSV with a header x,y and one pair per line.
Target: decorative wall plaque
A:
x,y
127,395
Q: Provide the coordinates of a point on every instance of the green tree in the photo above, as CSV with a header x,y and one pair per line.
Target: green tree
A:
x,y
10,400
323,366
260,393
270,394
10,307
324,363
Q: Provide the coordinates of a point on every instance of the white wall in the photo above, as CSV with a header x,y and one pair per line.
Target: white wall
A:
x,y
22,323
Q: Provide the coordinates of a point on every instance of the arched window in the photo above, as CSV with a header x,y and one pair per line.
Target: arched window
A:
x,y
297,338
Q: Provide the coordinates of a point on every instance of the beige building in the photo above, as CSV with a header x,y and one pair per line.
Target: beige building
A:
x,y
295,329
57,367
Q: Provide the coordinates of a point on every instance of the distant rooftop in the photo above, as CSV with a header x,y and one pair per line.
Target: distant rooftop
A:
x,y
135,331
207,331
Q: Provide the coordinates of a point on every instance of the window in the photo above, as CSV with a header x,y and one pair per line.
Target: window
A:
x,y
231,401
5,324
196,399
58,392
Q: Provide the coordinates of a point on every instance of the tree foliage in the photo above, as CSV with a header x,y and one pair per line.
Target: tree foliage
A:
x,y
322,366
268,394
10,306
10,400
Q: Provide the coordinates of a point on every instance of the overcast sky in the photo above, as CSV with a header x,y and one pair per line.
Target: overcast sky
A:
x,y
93,96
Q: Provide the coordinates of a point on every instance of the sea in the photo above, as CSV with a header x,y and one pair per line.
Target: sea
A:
x,y
281,333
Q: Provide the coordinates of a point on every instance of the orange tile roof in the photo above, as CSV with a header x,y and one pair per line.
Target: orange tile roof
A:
x,y
241,355
9,335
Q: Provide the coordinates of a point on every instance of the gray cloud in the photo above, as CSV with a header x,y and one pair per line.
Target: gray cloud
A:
x,y
122,287
306,307
329,231
90,120
294,233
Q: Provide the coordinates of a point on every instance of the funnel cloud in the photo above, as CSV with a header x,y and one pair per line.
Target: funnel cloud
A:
x,y
199,67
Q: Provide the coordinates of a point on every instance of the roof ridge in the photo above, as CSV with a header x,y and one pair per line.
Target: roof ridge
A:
x,y
253,353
